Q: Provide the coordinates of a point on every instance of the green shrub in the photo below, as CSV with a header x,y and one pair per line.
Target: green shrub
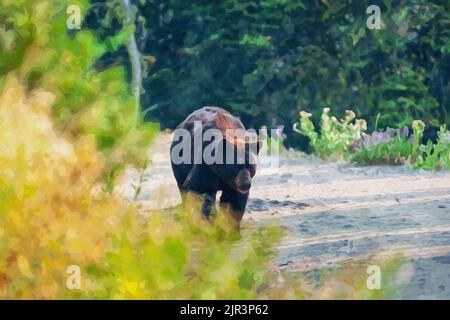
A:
x,y
390,146
395,152
335,137
345,140
409,150
432,156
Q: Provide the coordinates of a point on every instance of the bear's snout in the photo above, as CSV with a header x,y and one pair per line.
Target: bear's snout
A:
x,y
245,186
243,181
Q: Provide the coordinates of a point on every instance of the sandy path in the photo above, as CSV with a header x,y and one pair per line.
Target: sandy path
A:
x,y
335,212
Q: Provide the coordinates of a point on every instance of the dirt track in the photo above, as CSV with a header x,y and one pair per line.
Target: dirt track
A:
x,y
336,213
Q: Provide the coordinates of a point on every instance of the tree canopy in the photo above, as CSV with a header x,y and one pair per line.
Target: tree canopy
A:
x,y
267,60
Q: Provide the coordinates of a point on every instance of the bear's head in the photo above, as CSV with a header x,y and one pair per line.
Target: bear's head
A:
x,y
239,164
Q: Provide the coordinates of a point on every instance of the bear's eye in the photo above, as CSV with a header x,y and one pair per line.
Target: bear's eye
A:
x,y
237,169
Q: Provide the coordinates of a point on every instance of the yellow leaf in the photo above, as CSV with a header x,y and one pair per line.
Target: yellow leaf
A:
x,y
24,267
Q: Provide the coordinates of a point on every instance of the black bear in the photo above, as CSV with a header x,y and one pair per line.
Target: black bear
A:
x,y
233,165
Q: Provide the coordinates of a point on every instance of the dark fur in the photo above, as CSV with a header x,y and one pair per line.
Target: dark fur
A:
x,y
234,180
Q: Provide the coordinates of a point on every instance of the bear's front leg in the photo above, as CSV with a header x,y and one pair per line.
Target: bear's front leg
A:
x,y
208,204
204,182
236,201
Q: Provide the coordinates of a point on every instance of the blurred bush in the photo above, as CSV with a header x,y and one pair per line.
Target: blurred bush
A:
x,y
37,46
53,214
49,218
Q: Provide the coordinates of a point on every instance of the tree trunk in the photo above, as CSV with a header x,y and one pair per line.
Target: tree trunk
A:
x,y
135,60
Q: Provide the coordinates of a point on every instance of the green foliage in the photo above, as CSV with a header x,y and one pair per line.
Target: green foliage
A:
x,y
36,45
178,255
267,60
389,146
335,137
433,156
401,150
396,151
342,139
